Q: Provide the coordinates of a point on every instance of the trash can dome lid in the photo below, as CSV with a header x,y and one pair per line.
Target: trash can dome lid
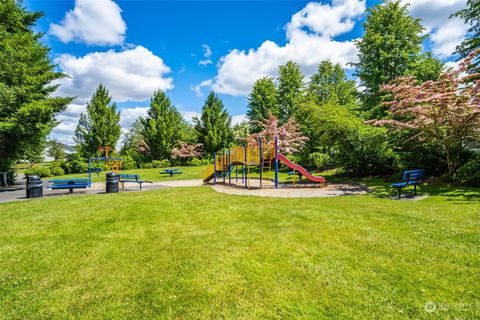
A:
x,y
34,177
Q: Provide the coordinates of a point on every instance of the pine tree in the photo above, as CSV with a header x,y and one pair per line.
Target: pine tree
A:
x,y
261,101
163,126
99,127
471,15
214,126
330,85
27,112
389,48
290,90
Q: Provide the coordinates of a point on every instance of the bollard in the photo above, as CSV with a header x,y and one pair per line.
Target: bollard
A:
x,y
112,182
34,187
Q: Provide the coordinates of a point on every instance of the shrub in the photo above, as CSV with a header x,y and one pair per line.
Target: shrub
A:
x,y
161,163
319,160
76,167
147,165
366,152
469,173
128,162
199,162
56,171
75,164
41,171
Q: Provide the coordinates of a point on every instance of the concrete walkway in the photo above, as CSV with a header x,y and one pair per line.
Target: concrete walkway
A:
x,y
18,192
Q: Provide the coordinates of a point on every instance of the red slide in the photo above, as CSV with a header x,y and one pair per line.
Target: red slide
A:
x,y
300,169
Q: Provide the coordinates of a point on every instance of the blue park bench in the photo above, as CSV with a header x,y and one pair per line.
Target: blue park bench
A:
x,y
409,177
80,183
171,172
123,178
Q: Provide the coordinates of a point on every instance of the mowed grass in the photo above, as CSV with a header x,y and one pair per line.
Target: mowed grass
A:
x,y
192,253
145,174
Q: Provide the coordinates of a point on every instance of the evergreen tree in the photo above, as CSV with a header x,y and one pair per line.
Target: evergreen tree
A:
x,y
330,85
390,46
27,112
290,90
261,101
471,15
163,127
213,127
99,127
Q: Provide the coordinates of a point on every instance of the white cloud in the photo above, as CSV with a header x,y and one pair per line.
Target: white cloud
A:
x,y
69,119
207,54
189,115
198,87
129,75
445,33
309,41
129,115
96,22
238,119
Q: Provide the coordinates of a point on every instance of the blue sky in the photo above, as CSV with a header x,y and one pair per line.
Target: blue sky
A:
x,y
188,48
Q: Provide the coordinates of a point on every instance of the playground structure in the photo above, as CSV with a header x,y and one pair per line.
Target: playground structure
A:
x,y
264,156
111,163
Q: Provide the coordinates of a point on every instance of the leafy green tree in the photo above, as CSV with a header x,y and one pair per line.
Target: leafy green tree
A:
x,y
133,138
27,111
471,15
425,68
261,101
163,127
290,90
214,126
56,150
357,149
100,126
241,132
330,84
390,46
133,144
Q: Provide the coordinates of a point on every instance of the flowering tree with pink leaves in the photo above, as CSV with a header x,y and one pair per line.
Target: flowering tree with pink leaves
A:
x,y
446,110
290,138
187,150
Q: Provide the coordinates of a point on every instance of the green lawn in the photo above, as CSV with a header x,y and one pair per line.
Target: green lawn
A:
x,y
145,174
192,253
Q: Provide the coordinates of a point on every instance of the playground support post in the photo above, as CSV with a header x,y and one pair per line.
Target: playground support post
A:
x,y
229,164
223,164
261,160
89,170
244,166
214,168
276,162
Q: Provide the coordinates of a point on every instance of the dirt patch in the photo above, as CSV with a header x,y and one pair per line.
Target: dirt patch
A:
x,y
290,191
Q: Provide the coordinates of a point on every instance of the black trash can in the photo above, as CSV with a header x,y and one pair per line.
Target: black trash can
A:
x,y
112,182
34,187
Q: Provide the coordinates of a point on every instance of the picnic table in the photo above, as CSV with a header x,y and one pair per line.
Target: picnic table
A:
x,y
171,172
73,183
